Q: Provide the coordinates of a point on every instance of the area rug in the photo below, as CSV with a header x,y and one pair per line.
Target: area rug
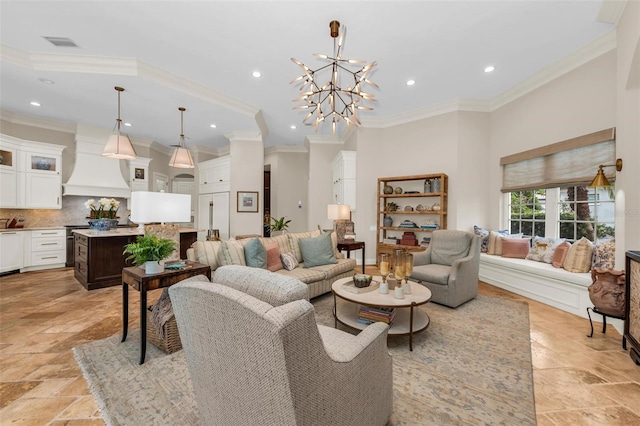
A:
x,y
471,366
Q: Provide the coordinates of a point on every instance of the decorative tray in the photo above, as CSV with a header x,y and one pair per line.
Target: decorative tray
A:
x,y
351,288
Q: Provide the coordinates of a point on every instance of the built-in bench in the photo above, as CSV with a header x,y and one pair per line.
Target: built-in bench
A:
x,y
542,282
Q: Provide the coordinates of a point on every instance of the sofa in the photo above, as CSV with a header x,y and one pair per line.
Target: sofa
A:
x,y
319,277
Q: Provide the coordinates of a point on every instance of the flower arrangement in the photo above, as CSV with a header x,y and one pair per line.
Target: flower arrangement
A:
x,y
104,209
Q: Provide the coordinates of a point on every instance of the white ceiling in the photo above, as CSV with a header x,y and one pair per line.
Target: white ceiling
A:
x,y
200,55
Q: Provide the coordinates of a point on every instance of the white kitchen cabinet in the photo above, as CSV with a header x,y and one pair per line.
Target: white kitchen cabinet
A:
x,y
31,174
213,213
8,188
44,249
214,175
11,250
344,178
42,191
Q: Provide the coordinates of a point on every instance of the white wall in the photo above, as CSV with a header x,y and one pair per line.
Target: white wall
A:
x,y
289,184
628,132
321,154
580,102
247,167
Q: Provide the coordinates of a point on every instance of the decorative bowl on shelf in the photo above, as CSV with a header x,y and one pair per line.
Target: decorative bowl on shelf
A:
x,y
362,280
398,190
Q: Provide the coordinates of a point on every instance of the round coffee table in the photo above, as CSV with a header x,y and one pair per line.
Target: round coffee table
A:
x,y
407,321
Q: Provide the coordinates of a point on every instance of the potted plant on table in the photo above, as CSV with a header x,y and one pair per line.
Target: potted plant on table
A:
x,y
149,250
279,226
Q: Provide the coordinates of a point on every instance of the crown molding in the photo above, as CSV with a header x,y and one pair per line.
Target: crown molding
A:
x,y
474,105
596,48
280,149
125,66
191,88
242,135
43,123
611,11
216,152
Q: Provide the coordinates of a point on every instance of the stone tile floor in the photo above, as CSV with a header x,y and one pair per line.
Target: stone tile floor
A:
x,y
578,380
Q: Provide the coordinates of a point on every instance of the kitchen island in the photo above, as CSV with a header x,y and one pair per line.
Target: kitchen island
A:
x,y
98,258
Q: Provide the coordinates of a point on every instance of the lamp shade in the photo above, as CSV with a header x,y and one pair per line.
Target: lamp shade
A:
x,y
119,146
600,181
150,207
181,158
338,211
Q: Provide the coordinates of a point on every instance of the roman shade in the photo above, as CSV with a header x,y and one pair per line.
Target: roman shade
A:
x,y
571,162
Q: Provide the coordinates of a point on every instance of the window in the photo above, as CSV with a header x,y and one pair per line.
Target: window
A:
x,y
570,212
586,212
527,212
546,192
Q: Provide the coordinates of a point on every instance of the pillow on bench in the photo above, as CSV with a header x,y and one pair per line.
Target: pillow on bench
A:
x,y
517,248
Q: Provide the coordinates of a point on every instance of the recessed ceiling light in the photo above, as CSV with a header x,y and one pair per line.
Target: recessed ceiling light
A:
x,y
489,68
293,127
213,126
34,103
256,74
46,81
127,124
411,82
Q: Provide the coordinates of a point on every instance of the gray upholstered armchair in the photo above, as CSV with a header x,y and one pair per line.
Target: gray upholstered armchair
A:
x,y
449,267
269,363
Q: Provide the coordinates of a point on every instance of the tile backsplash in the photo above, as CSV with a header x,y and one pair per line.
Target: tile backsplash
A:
x,y
73,212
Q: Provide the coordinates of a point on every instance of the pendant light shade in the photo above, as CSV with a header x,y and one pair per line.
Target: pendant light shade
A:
x,y
119,145
181,157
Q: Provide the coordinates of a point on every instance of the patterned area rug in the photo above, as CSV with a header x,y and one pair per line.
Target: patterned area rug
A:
x,y
471,366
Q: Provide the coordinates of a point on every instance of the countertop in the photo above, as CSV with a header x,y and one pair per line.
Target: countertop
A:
x,y
35,228
118,232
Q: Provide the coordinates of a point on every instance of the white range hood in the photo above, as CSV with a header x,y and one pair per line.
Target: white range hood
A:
x,y
94,175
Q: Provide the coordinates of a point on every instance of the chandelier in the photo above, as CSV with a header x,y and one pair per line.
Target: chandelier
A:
x,y
325,98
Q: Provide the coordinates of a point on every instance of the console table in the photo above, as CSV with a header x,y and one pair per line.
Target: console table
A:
x,y
139,280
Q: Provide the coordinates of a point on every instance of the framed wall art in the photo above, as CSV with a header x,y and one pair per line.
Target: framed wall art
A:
x,y
247,202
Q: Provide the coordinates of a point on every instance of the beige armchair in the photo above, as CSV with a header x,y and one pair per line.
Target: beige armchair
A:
x,y
449,267
253,362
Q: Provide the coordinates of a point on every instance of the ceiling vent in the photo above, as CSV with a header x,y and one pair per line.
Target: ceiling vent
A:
x,y
61,41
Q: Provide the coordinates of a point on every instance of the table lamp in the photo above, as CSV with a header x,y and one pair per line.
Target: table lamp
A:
x,y
341,215
152,207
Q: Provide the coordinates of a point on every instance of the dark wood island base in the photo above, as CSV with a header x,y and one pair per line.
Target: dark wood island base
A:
x,y
98,259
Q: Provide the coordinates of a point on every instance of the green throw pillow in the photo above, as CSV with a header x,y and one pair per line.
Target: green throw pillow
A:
x,y
255,255
317,251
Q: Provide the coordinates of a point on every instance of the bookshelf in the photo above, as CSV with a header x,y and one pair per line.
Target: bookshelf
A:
x,y
419,203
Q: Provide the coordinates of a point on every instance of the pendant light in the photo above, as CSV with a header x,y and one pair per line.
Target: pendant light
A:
x,y
181,157
119,145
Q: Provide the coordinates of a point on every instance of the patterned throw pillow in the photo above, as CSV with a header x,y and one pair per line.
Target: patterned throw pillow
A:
x,y
516,248
542,249
604,253
289,261
484,238
579,256
560,254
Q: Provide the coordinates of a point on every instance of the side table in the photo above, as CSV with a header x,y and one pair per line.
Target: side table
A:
x,y
139,280
350,245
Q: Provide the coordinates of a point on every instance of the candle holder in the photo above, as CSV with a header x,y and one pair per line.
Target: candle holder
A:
x,y
398,266
384,266
408,269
